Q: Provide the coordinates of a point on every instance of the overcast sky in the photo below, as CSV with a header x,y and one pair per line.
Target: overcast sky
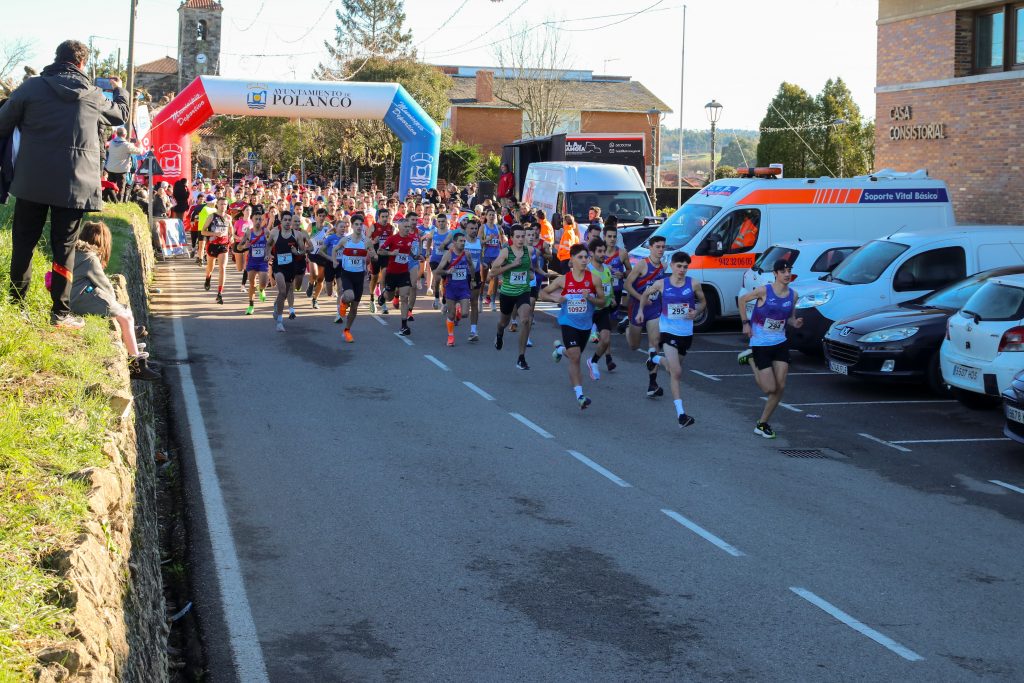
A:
x,y
736,52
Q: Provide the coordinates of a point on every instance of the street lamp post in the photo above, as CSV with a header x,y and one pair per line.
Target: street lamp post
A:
x,y
652,117
714,111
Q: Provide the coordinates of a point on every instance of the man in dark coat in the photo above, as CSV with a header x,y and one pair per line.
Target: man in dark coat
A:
x,y
58,166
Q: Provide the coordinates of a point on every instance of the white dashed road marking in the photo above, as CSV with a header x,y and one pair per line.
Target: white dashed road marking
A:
x,y
1006,486
381,320
884,443
862,628
703,533
408,342
533,426
436,362
478,390
600,470
704,374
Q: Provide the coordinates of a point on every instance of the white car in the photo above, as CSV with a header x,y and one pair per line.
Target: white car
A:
x,y
984,346
810,260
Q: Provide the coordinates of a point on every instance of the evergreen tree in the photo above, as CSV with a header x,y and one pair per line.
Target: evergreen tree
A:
x,y
792,108
841,141
370,27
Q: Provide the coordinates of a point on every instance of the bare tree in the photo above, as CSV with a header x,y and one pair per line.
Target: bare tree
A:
x,y
533,64
13,53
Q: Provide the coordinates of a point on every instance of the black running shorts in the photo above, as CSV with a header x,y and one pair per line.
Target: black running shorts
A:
x,y
574,338
764,356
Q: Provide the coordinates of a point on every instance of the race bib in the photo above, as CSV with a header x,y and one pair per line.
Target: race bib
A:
x,y
493,242
258,252
353,263
460,273
773,325
576,304
607,292
678,311
401,258
517,277
284,259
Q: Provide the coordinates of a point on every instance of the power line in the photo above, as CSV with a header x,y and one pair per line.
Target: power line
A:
x,y
313,25
614,23
254,19
444,23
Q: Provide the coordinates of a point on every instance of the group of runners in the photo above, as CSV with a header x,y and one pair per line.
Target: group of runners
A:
x,y
351,246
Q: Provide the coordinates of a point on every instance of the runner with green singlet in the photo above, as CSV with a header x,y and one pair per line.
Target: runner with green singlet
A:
x,y
603,315
516,273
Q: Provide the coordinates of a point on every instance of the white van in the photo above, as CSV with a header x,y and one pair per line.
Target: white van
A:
x,y
725,226
811,260
899,268
561,187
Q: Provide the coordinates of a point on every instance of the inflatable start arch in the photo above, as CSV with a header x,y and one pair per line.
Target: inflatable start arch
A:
x,y
209,95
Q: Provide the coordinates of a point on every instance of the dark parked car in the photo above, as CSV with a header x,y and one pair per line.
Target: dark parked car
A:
x,y
903,340
1013,408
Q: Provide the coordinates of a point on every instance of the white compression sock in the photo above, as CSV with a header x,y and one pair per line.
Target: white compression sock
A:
x,y
579,391
679,406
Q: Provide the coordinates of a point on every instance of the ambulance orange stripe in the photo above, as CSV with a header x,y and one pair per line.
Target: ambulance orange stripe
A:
x,y
802,196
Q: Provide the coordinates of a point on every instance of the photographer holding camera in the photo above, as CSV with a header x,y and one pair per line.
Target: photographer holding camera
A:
x,y
57,171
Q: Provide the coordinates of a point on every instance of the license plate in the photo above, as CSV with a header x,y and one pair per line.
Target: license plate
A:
x,y
838,367
1015,414
965,372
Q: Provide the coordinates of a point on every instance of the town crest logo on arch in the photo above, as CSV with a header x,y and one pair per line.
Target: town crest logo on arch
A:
x,y
256,98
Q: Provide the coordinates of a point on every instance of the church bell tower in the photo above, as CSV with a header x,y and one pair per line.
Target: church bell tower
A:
x,y
199,32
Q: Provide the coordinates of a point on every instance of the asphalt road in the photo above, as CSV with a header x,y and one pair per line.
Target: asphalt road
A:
x,y
414,512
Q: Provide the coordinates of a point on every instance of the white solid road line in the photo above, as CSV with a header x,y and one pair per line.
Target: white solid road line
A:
x,y
862,628
792,374
436,362
787,406
408,342
533,426
600,470
245,646
885,443
1001,438
381,320
703,533
704,374
478,390
1006,486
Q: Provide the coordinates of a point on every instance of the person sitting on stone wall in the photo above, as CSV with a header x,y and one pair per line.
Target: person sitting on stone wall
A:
x,y
93,294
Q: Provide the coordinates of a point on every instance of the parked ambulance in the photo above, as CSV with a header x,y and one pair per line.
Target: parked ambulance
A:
x,y
725,226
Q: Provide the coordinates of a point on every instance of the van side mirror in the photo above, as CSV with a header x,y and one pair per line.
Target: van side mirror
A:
x,y
556,221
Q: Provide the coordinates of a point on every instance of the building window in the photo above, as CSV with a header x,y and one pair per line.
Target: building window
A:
x,y
201,30
999,38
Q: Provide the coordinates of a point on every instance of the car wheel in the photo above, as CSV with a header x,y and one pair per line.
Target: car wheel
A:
x,y
974,401
707,317
933,376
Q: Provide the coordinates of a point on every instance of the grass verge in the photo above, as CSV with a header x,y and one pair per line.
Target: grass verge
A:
x,y
50,428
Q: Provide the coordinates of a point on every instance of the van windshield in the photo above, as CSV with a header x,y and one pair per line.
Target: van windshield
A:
x,y
628,206
684,224
867,263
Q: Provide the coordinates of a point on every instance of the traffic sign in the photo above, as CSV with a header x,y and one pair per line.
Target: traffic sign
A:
x,y
253,156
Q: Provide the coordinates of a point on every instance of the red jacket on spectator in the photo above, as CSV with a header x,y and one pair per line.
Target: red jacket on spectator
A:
x,y
506,185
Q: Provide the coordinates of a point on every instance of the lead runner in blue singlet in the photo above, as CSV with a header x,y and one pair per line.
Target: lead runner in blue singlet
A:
x,y
644,274
682,300
768,355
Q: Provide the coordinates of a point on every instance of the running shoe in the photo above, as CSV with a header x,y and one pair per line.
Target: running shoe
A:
x,y
764,429
243,289
250,309
655,391
583,401
529,343
380,300
220,298
348,336
263,295
499,341
309,290
394,302
280,325
383,310
206,284
474,337
556,355
593,337
373,306
595,370
338,319
451,340
316,304
494,306
685,420
623,324
745,356
513,326
405,332
609,364
487,301
522,364
410,318
651,365
291,314
437,303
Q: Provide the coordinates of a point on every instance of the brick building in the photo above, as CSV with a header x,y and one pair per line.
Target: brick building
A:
x,y
950,98
594,104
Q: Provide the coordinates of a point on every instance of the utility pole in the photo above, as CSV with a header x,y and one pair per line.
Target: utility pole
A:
x,y
131,67
682,72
